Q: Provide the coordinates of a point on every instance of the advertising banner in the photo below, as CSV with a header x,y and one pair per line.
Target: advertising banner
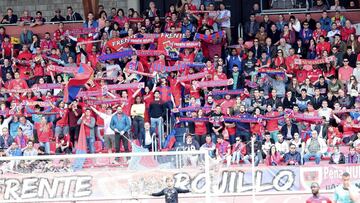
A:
x,y
112,182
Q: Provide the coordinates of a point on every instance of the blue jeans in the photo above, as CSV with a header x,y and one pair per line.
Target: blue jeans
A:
x,y
90,144
46,145
236,157
158,124
308,155
257,158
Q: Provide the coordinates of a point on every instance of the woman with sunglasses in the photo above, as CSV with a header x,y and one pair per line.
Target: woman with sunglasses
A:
x,y
353,86
280,59
238,151
345,72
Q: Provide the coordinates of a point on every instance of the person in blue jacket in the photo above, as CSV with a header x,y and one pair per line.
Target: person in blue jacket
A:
x,y
120,124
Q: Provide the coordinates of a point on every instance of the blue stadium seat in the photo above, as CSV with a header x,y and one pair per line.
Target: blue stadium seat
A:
x,y
179,136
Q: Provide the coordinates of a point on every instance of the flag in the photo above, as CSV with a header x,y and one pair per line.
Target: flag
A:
x,y
74,85
141,162
169,141
80,148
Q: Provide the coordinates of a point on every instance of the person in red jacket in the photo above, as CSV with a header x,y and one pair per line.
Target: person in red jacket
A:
x,y
22,63
17,83
47,44
62,123
175,88
238,151
291,67
200,129
7,48
347,31
38,65
44,133
273,158
318,32
322,46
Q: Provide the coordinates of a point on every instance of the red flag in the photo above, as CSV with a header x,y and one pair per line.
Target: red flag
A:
x,y
81,78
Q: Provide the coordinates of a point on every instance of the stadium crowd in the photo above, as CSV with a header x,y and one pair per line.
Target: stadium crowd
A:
x,y
291,87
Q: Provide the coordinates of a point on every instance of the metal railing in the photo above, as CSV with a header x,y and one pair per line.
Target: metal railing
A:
x,y
154,143
241,30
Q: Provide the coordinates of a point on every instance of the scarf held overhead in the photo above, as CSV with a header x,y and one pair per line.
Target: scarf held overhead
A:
x,y
61,69
94,93
106,101
213,38
229,92
118,55
215,83
270,71
192,77
314,61
136,85
81,31
158,67
47,86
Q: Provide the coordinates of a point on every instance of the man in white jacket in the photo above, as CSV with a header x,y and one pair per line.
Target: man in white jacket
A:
x,y
109,134
315,147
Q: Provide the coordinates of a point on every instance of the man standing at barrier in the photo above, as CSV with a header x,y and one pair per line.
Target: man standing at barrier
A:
x,y
345,193
170,192
120,124
316,198
157,111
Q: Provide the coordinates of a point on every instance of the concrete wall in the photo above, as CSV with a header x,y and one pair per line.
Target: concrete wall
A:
x,y
47,7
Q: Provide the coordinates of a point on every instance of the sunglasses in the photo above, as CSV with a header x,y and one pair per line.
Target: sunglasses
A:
x,y
346,61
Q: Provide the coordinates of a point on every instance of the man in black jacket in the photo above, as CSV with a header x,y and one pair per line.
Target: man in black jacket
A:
x,y
170,192
157,110
237,77
269,48
10,18
58,17
292,157
289,129
72,16
250,28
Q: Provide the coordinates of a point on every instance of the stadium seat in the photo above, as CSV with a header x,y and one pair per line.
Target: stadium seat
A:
x,y
179,135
